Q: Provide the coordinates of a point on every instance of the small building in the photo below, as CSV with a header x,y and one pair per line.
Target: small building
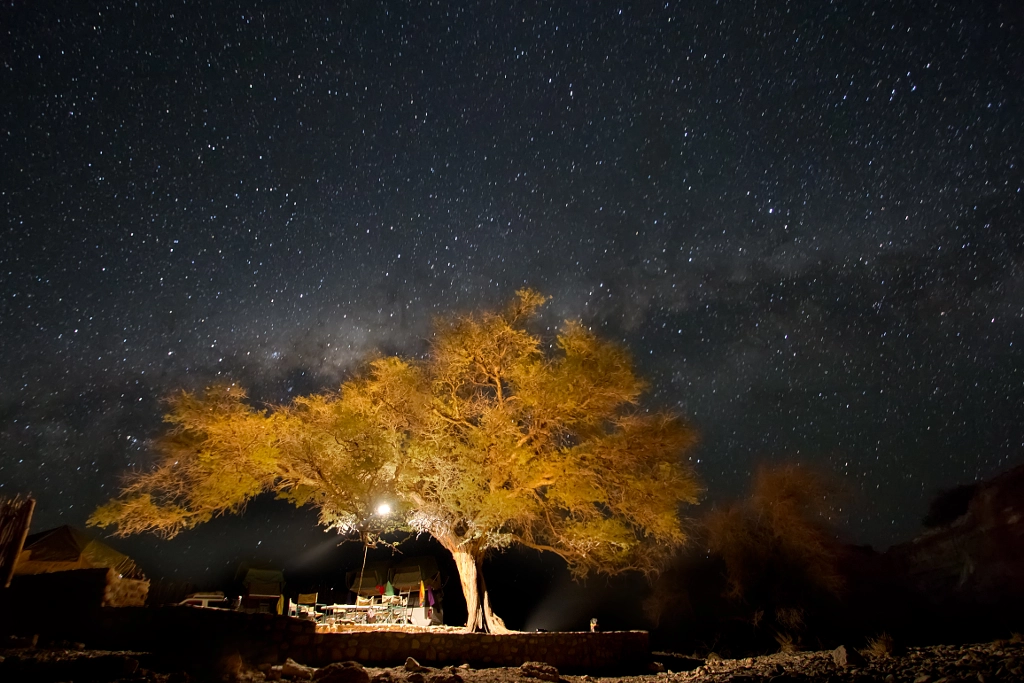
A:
x,y
262,590
66,548
80,568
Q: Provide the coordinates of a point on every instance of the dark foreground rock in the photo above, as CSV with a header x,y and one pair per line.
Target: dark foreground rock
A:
x,y
984,663
996,661
43,666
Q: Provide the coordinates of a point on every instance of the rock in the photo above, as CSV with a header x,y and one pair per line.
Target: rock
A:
x,y
445,678
656,667
14,642
541,670
844,657
129,666
342,672
923,678
414,666
465,666
294,670
229,665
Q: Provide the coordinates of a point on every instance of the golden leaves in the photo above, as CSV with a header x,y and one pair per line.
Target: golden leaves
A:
x,y
778,532
488,441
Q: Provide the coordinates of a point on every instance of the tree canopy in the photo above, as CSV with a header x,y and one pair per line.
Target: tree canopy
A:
x,y
494,439
780,558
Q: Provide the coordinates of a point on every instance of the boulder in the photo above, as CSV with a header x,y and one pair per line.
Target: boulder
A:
x,y
295,671
342,672
414,666
540,670
229,665
445,677
844,657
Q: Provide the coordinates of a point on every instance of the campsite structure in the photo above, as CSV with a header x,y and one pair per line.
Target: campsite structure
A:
x,y
262,590
66,549
83,571
410,587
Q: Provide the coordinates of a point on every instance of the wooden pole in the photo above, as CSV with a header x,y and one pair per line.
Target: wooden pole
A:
x,y
15,519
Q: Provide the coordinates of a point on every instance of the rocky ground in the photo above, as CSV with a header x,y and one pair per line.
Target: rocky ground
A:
x,y
983,662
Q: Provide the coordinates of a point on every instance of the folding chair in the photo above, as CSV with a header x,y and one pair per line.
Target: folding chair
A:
x,y
307,606
394,609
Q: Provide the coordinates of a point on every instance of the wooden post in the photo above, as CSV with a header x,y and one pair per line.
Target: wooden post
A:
x,y
15,518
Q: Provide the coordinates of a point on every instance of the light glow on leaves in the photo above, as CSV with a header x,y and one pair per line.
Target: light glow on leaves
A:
x,y
489,442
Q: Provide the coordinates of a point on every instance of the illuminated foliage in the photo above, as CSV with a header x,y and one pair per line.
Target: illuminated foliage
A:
x,y
488,443
777,549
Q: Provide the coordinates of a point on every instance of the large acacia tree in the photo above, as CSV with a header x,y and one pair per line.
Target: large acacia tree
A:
x,y
495,439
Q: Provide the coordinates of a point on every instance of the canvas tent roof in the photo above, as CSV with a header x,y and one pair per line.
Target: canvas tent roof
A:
x,y
262,576
262,581
404,575
407,574
66,548
375,574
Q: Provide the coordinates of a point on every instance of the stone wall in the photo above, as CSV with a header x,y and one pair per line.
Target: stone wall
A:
x,y
566,651
260,638
74,590
124,592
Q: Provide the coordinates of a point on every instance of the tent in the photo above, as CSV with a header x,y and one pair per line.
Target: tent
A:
x,y
263,589
407,574
404,575
375,574
263,582
66,548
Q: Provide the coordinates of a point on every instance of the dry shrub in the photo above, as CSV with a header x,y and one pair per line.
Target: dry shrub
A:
x,y
881,646
793,501
736,539
790,617
788,643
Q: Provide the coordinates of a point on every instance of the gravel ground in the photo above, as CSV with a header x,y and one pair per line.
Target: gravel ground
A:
x,y
983,662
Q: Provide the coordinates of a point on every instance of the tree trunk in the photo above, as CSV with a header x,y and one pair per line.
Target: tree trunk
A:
x,y
480,616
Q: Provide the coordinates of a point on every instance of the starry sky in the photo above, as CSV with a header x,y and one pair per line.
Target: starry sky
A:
x,y
804,219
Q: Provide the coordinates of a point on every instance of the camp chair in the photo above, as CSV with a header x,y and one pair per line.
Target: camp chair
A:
x,y
307,606
394,609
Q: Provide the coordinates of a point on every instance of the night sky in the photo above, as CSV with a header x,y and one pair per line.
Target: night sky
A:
x,y
804,219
